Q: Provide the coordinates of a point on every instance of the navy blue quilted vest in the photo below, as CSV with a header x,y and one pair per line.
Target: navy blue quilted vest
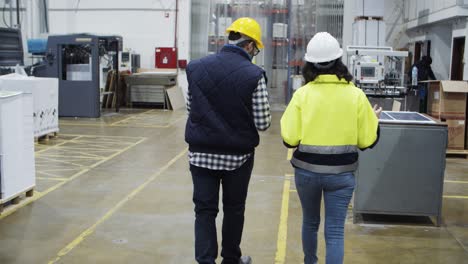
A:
x,y
221,119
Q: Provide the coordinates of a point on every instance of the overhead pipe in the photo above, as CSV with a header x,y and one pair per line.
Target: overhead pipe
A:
x,y
175,30
18,9
175,34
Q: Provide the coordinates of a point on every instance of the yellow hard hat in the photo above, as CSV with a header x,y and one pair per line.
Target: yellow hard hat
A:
x,y
248,27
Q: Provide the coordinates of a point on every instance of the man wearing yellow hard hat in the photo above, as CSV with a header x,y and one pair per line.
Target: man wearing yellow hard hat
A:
x,y
228,104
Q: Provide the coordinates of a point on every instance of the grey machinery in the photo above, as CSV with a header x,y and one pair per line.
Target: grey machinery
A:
x,y
75,60
150,87
404,173
11,49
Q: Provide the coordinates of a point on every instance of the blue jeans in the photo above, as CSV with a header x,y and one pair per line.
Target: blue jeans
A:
x,y
337,191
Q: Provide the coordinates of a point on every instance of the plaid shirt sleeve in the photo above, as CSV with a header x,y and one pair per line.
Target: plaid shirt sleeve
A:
x,y
261,106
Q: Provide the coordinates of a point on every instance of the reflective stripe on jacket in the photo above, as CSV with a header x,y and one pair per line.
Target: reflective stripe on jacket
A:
x,y
329,119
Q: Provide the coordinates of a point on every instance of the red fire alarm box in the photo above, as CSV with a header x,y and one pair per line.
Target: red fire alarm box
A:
x,y
182,64
166,58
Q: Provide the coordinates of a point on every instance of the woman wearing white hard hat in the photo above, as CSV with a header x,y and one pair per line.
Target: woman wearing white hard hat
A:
x,y
327,121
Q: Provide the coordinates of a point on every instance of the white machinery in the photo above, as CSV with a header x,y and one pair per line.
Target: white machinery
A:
x,y
125,60
45,96
378,71
17,169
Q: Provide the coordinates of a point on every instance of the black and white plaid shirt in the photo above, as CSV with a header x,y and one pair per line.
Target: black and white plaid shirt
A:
x,y
262,120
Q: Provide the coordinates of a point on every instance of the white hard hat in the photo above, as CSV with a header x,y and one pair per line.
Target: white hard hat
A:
x,y
323,47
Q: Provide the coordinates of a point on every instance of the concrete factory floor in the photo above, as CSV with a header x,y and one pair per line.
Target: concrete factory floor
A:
x,y
118,190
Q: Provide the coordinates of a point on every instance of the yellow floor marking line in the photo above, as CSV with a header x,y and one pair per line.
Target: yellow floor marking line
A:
x,y
51,178
65,141
82,124
76,175
51,147
281,244
117,125
52,170
131,116
46,173
71,156
96,148
134,120
77,241
61,161
103,141
98,136
290,154
293,191
142,126
455,181
455,197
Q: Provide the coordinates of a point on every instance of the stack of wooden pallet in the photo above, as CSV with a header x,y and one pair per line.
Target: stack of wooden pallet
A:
x,y
109,99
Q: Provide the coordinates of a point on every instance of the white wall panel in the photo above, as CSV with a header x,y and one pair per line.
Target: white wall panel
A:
x,y
449,3
413,14
441,42
142,24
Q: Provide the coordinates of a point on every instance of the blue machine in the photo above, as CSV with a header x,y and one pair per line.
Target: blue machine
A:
x,y
37,46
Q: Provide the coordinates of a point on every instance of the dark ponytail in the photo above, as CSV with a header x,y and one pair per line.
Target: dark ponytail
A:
x,y
310,71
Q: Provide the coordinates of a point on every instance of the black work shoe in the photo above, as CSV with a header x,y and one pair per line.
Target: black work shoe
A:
x,y
245,260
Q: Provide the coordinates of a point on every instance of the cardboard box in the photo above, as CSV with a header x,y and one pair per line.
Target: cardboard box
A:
x,y
447,99
456,134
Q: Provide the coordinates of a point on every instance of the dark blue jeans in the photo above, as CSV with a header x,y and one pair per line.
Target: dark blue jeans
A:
x,y
337,191
206,184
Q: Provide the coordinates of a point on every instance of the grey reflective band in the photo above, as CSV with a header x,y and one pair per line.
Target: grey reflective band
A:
x,y
324,168
328,149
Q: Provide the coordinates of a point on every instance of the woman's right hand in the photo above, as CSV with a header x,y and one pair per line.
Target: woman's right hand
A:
x,y
377,110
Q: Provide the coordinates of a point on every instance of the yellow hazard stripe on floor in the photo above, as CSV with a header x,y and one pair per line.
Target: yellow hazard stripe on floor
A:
x,y
51,178
290,154
449,181
77,241
61,183
281,243
455,197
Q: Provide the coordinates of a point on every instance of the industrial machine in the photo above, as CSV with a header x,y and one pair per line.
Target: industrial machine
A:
x,y
378,71
125,59
149,88
75,59
404,173
11,49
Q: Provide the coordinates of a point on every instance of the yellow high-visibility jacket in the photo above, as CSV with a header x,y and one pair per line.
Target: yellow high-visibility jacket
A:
x,y
328,120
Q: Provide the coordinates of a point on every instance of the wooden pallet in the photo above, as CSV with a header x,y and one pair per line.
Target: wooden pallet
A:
x,y
15,199
46,137
454,153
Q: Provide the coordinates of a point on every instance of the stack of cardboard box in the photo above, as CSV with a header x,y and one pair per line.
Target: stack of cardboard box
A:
x,y
447,101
